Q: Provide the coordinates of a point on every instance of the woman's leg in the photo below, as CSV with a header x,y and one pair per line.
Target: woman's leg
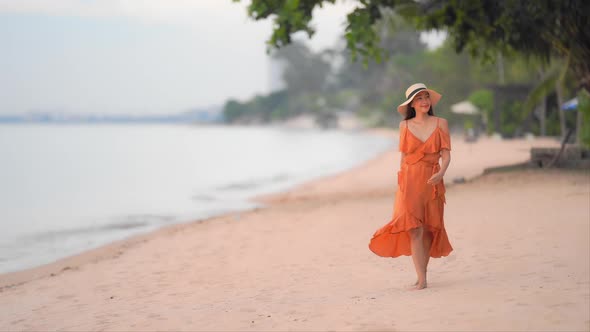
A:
x,y
427,245
418,256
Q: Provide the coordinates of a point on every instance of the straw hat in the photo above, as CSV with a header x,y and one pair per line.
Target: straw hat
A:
x,y
412,91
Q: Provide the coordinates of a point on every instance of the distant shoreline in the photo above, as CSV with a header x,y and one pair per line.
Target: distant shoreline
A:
x,y
200,116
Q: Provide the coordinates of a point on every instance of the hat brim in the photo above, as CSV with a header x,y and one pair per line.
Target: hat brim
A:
x,y
434,98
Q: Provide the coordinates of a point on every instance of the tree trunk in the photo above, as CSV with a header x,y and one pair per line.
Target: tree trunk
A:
x,y
579,127
558,90
581,70
542,117
501,68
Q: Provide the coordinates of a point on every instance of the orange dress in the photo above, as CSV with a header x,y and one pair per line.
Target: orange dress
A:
x,y
417,203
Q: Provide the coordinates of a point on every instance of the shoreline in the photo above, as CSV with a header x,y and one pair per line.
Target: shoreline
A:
x,y
330,186
114,249
72,260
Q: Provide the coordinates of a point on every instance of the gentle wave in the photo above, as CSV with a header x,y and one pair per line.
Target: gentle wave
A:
x,y
257,183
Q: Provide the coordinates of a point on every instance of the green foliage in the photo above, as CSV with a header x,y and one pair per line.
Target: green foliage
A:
x,y
468,124
485,27
542,89
510,114
484,100
540,29
343,99
374,89
234,110
259,109
584,107
305,72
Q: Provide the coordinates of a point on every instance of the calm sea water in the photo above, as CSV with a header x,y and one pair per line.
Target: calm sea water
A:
x,y
68,188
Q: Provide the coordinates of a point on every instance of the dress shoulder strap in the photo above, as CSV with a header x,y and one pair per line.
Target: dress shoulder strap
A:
x,y
402,137
406,128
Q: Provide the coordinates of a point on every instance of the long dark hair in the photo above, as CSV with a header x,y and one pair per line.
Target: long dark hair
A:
x,y
411,112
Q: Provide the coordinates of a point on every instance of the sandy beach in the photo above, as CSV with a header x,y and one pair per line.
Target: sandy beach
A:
x,y
521,260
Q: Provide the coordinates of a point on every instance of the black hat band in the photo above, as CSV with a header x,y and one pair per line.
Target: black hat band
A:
x,y
414,92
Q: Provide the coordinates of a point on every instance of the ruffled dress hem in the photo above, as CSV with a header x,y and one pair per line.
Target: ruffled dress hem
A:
x,y
393,239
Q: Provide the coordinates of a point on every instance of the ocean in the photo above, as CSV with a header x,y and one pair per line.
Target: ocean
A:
x,y
68,188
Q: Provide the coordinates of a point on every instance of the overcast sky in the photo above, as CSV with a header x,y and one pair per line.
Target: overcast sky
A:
x,y
136,56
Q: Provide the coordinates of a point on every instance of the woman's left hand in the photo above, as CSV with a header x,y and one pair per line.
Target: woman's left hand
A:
x,y
435,178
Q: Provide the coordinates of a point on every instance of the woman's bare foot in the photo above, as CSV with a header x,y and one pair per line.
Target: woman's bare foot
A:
x,y
417,285
412,286
421,285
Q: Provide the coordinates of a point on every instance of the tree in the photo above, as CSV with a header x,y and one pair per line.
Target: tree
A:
x,y
305,72
484,28
401,44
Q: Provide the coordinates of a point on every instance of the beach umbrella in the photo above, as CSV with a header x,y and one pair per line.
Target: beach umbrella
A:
x,y
570,105
464,107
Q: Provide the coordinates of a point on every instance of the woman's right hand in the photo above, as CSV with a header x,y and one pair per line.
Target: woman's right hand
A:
x,y
435,178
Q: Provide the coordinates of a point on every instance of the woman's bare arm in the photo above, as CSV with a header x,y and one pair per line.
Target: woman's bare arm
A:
x,y
445,153
403,155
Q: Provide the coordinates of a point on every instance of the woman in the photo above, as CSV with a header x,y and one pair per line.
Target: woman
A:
x,y
417,227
